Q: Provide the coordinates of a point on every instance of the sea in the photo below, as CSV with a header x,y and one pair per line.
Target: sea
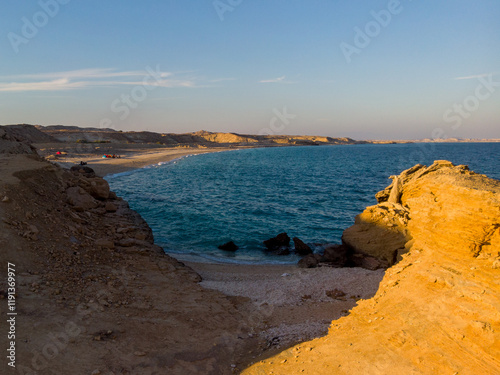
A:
x,y
198,202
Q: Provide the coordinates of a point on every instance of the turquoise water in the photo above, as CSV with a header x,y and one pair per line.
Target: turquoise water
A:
x,y
199,202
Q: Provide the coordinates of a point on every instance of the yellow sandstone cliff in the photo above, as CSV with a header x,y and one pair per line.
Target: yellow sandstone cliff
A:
x,y
437,310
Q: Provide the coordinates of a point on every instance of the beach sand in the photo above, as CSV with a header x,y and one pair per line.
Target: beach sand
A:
x,y
296,304
131,156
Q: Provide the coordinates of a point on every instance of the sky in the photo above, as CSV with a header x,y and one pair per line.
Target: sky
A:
x,y
408,69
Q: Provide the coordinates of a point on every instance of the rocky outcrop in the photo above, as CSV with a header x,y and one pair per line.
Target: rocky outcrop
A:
x,y
437,309
279,244
336,255
380,231
300,247
309,261
80,199
82,170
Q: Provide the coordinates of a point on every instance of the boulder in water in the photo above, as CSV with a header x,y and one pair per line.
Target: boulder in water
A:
x,y
229,246
300,247
275,243
282,250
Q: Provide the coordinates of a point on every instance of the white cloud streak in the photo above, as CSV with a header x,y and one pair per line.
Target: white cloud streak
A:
x,y
474,76
274,80
89,78
277,80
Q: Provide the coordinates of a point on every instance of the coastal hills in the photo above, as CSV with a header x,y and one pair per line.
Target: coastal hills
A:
x,y
199,139
60,133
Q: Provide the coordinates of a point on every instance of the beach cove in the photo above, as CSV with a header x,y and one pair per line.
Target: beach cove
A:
x,y
90,274
296,304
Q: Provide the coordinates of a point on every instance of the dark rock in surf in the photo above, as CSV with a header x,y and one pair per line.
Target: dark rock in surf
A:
x,y
229,246
275,243
282,250
300,247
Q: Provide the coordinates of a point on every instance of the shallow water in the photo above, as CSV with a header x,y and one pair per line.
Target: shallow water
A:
x,y
196,203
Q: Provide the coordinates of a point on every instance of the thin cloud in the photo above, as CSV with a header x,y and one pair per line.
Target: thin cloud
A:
x,y
274,80
277,80
54,85
222,80
90,78
82,73
475,76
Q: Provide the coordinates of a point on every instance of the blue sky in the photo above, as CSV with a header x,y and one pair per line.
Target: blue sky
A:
x,y
393,69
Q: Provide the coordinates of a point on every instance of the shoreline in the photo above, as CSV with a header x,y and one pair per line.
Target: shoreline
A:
x,y
134,160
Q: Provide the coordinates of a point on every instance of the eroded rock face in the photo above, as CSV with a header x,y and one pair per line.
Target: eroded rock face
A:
x,y
384,231
84,171
99,188
380,231
438,309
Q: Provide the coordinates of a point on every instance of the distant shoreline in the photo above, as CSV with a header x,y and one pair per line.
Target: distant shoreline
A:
x,y
133,161
448,140
144,155
70,145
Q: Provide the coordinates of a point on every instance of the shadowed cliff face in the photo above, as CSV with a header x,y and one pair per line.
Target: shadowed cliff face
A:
x,y
380,231
438,309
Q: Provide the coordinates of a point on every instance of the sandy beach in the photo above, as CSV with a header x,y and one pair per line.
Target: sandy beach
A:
x,y
297,304
130,157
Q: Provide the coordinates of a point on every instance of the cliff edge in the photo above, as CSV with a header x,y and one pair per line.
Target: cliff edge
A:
x,y
437,310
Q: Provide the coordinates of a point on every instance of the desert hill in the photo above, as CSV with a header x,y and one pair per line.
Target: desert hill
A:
x,y
203,138
29,133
